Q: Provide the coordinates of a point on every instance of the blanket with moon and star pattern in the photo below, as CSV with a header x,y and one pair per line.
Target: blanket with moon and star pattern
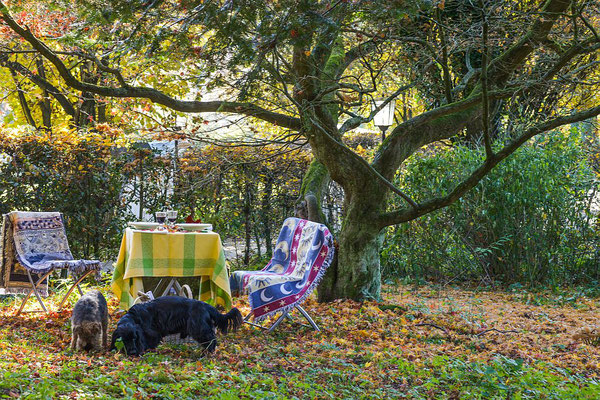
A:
x,y
303,252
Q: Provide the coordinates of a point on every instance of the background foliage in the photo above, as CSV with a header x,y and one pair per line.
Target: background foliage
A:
x,y
80,175
93,176
529,221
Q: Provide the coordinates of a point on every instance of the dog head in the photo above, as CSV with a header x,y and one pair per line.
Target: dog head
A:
x,y
132,337
88,335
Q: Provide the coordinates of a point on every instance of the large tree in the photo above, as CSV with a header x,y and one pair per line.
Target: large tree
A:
x,y
504,71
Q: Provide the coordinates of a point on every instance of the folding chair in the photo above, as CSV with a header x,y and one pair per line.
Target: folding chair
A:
x,y
303,253
35,244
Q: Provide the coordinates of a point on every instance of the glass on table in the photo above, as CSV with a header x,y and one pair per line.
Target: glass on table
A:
x,y
172,216
160,218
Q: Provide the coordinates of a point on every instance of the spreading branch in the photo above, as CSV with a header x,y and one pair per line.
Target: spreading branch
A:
x,y
408,214
149,93
502,67
407,137
365,164
39,81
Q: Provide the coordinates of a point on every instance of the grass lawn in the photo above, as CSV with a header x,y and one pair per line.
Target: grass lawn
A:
x,y
422,343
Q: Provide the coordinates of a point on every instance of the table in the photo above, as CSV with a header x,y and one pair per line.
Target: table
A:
x,y
171,254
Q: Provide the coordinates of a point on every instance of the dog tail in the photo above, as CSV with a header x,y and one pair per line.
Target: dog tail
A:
x,y
226,322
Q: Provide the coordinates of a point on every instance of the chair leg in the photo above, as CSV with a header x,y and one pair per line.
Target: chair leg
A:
x,y
308,318
278,321
247,321
177,286
289,315
169,285
73,286
272,327
34,290
155,290
281,318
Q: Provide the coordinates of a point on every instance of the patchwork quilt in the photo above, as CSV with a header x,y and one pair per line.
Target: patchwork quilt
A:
x,y
303,252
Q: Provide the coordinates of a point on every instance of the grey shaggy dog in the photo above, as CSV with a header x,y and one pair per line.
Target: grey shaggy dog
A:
x,y
89,322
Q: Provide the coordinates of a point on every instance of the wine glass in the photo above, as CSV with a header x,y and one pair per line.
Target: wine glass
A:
x,y
172,216
160,218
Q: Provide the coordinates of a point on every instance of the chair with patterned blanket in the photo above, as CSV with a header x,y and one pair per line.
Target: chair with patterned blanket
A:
x,y
35,243
303,252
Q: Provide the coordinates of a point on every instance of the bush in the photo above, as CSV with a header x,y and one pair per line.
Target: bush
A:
x,y
93,177
245,192
76,173
528,221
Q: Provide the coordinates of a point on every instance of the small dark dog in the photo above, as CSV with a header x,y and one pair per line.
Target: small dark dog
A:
x,y
89,322
144,326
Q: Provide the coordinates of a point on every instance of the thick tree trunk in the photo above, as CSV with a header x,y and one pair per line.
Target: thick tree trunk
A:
x,y
357,273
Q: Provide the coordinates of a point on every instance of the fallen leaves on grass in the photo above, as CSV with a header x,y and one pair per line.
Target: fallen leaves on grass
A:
x,y
378,348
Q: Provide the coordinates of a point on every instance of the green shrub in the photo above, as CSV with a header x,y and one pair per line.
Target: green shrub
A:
x,y
76,173
92,177
528,221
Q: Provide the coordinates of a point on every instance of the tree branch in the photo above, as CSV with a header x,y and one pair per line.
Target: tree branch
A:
x,y
43,83
354,122
404,215
408,134
103,67
411,135
444,62
354,53
501,67
152,94
23,100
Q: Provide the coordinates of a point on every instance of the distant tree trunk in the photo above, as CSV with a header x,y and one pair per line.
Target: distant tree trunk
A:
x,y
266,212
217,196
247,222
175,168
45,105
141,211
101,111
86,113
256,235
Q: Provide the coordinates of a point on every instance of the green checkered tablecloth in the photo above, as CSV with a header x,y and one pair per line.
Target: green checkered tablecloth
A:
x,y
162,254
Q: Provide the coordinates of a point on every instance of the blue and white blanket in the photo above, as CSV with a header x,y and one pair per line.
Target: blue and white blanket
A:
x,y
303,253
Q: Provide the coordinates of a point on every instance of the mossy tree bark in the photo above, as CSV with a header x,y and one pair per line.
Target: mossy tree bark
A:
x,y
356,274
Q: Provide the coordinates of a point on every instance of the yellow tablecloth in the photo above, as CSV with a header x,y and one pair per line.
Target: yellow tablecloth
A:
x,y
162,254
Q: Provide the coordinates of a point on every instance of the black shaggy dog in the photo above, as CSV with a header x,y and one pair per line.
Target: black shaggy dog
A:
x,y
89,322
145,324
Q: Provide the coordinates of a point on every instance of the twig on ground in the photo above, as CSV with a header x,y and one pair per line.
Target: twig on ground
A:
x,y
496,330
